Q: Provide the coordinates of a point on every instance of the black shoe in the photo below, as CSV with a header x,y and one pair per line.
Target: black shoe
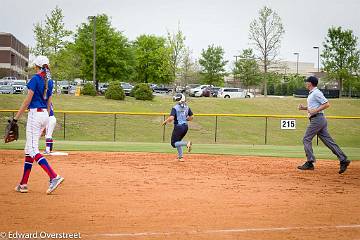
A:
x,y
307,166
343,166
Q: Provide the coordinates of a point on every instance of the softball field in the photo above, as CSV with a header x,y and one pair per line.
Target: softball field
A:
x,y
152,196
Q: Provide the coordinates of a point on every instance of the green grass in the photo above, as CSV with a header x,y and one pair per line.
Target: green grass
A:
x,y
226,149
231,130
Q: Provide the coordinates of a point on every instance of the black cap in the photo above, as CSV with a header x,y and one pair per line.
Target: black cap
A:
x,y
313,80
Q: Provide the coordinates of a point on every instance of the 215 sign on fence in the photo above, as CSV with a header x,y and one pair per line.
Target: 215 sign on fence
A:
x,y
288,124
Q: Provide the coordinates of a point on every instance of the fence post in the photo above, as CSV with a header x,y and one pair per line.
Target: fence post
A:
x,y
163,134
115,127
266,127
64,125
216,127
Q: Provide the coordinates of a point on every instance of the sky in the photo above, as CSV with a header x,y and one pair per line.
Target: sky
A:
x,y
221,22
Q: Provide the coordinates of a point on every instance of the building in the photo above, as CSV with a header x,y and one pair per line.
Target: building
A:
x,y
292,67
282,67
14,57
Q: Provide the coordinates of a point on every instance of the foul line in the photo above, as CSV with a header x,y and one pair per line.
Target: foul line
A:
x,y
222,231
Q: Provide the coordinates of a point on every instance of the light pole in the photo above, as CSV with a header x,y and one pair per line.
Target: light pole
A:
x,y
94,52
236,60
318,71
318,50
236,57
297,62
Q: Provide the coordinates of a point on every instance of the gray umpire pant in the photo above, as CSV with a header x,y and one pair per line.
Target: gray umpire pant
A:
x,y
318,126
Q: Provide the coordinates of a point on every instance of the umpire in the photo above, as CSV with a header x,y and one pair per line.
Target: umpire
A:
x,y
316,104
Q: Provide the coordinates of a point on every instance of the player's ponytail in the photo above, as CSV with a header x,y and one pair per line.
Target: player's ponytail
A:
x,y
46,75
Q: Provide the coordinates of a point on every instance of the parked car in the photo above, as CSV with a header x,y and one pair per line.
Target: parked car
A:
x,y
214,91
210,91
5,82
180,89
9,78
198,91
127,87
19,86
206,92
162,89
103,87
6,89
190,86
234,93
152,85
63,87
72,89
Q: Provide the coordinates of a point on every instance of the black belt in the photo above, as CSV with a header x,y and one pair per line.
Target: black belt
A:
x,y
316,115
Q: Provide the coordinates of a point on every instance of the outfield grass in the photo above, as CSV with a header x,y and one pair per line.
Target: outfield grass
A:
x,y
226,149
231,130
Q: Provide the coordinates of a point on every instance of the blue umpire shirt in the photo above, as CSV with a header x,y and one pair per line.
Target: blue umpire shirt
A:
x,y
315,99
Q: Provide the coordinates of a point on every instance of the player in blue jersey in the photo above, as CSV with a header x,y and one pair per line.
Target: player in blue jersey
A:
x,y
38,101
181,114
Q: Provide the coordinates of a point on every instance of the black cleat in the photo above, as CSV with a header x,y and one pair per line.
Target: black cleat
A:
x,y
307,166
343,166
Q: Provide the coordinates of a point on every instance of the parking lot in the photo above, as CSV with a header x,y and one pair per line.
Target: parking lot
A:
x,y
8,85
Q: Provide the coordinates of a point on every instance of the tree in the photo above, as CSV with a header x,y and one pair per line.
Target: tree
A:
x,y
352,85
213,65
114,53
340,56
177,46
41,39
266,33
247,69
152,60
56,31
68,61
274,79
189,70
294,82
50,39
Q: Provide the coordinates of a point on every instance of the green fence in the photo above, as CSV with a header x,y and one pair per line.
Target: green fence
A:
x,y
206,128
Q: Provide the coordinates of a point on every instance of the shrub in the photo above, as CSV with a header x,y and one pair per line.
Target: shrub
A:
x,y
132,92
88,89
115,91
143,91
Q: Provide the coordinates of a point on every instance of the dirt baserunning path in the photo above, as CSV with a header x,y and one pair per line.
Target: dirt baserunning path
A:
x,y
152,196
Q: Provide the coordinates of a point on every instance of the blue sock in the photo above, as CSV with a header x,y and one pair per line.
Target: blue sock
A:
x,y
180,152
179,146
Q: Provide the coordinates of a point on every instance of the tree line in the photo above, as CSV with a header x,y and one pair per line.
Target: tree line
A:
x,y
167,59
